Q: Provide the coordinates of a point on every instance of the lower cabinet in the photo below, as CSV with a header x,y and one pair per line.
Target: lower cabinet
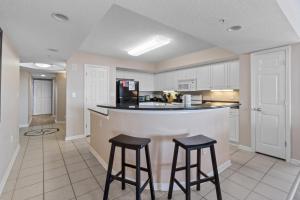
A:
x,y
234,125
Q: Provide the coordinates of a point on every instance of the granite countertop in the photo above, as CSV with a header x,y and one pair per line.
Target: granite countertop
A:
x,y
161,107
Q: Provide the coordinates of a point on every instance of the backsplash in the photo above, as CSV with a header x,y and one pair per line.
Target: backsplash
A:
x,y
207,95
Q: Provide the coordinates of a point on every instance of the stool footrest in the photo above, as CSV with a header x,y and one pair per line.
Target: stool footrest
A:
x,y
179,185
134,167
145,184
203,180
121,180
206,176
183,168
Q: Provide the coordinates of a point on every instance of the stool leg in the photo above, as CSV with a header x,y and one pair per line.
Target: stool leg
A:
x,y
149,172
173,171
198,167
123,168
216,174
188,174
109,169
138,175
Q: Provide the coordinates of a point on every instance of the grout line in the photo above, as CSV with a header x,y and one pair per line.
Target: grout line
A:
x,y
65,165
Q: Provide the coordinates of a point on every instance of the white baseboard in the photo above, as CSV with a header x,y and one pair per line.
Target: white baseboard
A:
x,y
294,188
60,122
160,186
245,148
24,125
295,162
9,168
68,138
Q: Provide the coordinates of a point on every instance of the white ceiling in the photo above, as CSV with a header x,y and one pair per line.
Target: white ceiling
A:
x,y
121,30
94,27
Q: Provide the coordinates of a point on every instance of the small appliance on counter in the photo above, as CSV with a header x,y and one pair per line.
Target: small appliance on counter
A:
x,y
187,99
197,99
127,92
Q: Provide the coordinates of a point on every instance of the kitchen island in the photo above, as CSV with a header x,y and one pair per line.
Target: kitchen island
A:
x,y
161,124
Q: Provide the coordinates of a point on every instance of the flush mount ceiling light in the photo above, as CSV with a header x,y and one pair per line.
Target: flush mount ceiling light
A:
x,y
43,75
234,28
59,17
42,65
151,44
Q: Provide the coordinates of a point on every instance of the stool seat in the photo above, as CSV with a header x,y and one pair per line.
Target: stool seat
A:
x,y
195,141
129,141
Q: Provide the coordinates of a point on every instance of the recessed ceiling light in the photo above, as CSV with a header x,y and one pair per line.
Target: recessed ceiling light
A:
x,y
53,50
43,75
221,21
60,17
42,65
234,28
149,45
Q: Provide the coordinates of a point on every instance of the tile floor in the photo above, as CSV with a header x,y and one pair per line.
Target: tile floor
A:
x,y
297,195
49,168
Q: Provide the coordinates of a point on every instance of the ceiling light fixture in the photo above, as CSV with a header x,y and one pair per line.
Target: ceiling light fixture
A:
x,y
234,28
43,75
154,43
60,17
42,65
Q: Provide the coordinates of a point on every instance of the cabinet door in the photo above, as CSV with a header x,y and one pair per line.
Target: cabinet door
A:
x,y
219,76
158,82
203,78
233,75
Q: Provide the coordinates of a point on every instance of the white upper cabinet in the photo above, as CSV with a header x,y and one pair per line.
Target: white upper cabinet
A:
x,y
203,77
146,80
233,75
219,76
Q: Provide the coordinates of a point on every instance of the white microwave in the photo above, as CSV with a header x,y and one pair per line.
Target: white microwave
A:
x,y
187,85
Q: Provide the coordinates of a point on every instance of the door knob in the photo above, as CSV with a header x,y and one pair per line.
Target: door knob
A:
x,y
257,109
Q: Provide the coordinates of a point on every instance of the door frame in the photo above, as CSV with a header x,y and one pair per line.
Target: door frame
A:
x,y
287,50
85,91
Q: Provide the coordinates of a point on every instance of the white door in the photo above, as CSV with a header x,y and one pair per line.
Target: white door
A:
x,y
96,90
42,97
269,102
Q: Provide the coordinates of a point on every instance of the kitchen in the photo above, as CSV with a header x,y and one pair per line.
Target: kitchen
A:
x,y
200,102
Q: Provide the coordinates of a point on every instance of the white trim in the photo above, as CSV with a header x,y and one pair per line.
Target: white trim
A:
x,y
245,148
287,49
68,138
60,122
23,125
159,186
295,162
8,169
294,188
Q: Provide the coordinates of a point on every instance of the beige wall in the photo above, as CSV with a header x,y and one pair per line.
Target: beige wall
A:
x,y
197,58
75,84
245,100
295,72
9,125
25,98
60,96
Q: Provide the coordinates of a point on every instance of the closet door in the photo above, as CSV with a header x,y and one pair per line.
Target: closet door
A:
x,y
42,97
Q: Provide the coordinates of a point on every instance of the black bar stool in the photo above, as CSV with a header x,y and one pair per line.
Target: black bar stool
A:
x,y
188,144
134,143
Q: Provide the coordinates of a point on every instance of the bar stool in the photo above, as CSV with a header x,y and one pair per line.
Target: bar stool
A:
x,y
188,144
134,143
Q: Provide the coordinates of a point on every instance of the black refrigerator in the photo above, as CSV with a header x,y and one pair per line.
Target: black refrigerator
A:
x,y
127,92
